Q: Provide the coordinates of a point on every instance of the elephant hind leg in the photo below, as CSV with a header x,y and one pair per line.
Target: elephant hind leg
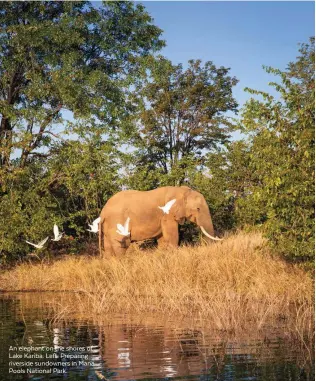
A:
x,y
107,248
120,246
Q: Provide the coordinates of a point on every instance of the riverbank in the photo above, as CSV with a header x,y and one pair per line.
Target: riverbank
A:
x,y
232,284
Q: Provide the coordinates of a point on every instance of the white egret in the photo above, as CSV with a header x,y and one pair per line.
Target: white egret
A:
x,y
94,227
38,245
56,233
168,206
123,230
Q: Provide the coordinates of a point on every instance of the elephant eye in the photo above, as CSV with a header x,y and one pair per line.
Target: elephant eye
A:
x,y
198,209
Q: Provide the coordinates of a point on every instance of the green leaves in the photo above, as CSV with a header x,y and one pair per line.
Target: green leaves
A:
x,y
179,114
282,156
66,69
67,56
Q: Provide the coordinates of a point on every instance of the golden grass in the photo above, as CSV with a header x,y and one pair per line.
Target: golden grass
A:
x,y
232,284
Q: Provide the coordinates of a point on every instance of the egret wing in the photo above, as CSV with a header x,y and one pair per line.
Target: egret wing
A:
x,y
56,231
30,243
96,221
120,227
42,242
170,203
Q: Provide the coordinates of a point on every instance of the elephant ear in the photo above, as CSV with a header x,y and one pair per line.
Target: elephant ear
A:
x,y
178,211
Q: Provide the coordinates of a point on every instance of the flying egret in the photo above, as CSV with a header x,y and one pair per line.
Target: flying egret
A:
x,y
56,233
168,206
94,228
38,245
123,230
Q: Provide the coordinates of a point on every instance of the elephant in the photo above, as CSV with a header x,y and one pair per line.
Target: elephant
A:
x,y
133,215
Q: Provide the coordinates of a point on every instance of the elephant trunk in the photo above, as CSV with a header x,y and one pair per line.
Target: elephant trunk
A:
x,y
206,225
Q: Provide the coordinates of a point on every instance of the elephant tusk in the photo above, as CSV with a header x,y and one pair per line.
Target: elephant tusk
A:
x,y
209,236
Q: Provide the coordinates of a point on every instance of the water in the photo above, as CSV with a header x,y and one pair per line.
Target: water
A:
x,y
121,348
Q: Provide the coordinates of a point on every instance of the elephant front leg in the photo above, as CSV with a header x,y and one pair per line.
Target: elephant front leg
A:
x,y
161,242
170,232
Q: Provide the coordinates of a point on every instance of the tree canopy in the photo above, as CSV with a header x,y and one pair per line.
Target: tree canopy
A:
x,y
57,56
182,113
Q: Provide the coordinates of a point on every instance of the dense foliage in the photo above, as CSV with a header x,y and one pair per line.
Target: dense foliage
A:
x,y
282,156
87,109
268,178
181,115
65,72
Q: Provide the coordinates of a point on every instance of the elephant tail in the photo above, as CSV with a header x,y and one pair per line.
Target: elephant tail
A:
x,y
100,236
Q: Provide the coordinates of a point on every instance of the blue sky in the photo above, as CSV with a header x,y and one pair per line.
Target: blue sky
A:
x,y
240,35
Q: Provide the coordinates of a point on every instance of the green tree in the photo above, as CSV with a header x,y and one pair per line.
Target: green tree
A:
x,y
228,182
82,175
181,115
64,66
58,56
281,133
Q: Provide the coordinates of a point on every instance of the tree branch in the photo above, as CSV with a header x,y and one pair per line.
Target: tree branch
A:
x,y
39,136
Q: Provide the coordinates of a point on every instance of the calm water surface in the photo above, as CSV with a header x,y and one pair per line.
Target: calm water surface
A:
x,y
119,349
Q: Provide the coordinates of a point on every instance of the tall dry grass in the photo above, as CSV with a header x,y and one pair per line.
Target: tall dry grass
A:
x,y
233,284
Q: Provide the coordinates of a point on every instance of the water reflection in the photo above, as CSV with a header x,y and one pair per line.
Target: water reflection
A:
x,y
122,350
